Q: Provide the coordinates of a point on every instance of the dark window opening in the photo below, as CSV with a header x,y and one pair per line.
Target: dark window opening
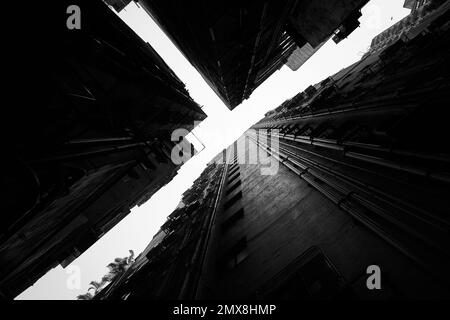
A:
x,y
233,200
233,187
235,255
233,219
233,177
233,171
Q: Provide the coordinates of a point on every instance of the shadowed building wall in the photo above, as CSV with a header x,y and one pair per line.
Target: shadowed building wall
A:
x,y
89,137
237,45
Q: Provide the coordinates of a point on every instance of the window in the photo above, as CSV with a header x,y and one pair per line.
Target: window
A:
x,y
233,200
236,254
233,187
233,219
233,171
233,177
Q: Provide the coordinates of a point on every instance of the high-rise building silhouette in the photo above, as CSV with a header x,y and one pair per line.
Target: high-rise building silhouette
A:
x,y
237,45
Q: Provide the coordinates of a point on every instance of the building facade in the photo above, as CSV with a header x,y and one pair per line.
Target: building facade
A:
x,y
357,178
422,11
89,137
170,266
237,45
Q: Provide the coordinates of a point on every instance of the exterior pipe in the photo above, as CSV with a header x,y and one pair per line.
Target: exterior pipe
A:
x,y
346,204
436,176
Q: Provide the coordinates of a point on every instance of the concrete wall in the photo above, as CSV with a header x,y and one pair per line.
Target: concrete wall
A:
x,y
283,217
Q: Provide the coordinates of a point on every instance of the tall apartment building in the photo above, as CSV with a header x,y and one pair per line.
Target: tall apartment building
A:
x,y
237,45
415,5
89,137
358,176
422,13
161,270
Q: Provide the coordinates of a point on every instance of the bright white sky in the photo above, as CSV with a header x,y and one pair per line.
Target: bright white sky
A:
x,y
220,129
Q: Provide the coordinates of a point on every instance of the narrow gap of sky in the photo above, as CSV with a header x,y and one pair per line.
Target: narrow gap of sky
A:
x,y
220,129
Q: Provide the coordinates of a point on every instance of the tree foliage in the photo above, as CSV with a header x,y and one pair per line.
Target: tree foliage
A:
x,y
115,269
